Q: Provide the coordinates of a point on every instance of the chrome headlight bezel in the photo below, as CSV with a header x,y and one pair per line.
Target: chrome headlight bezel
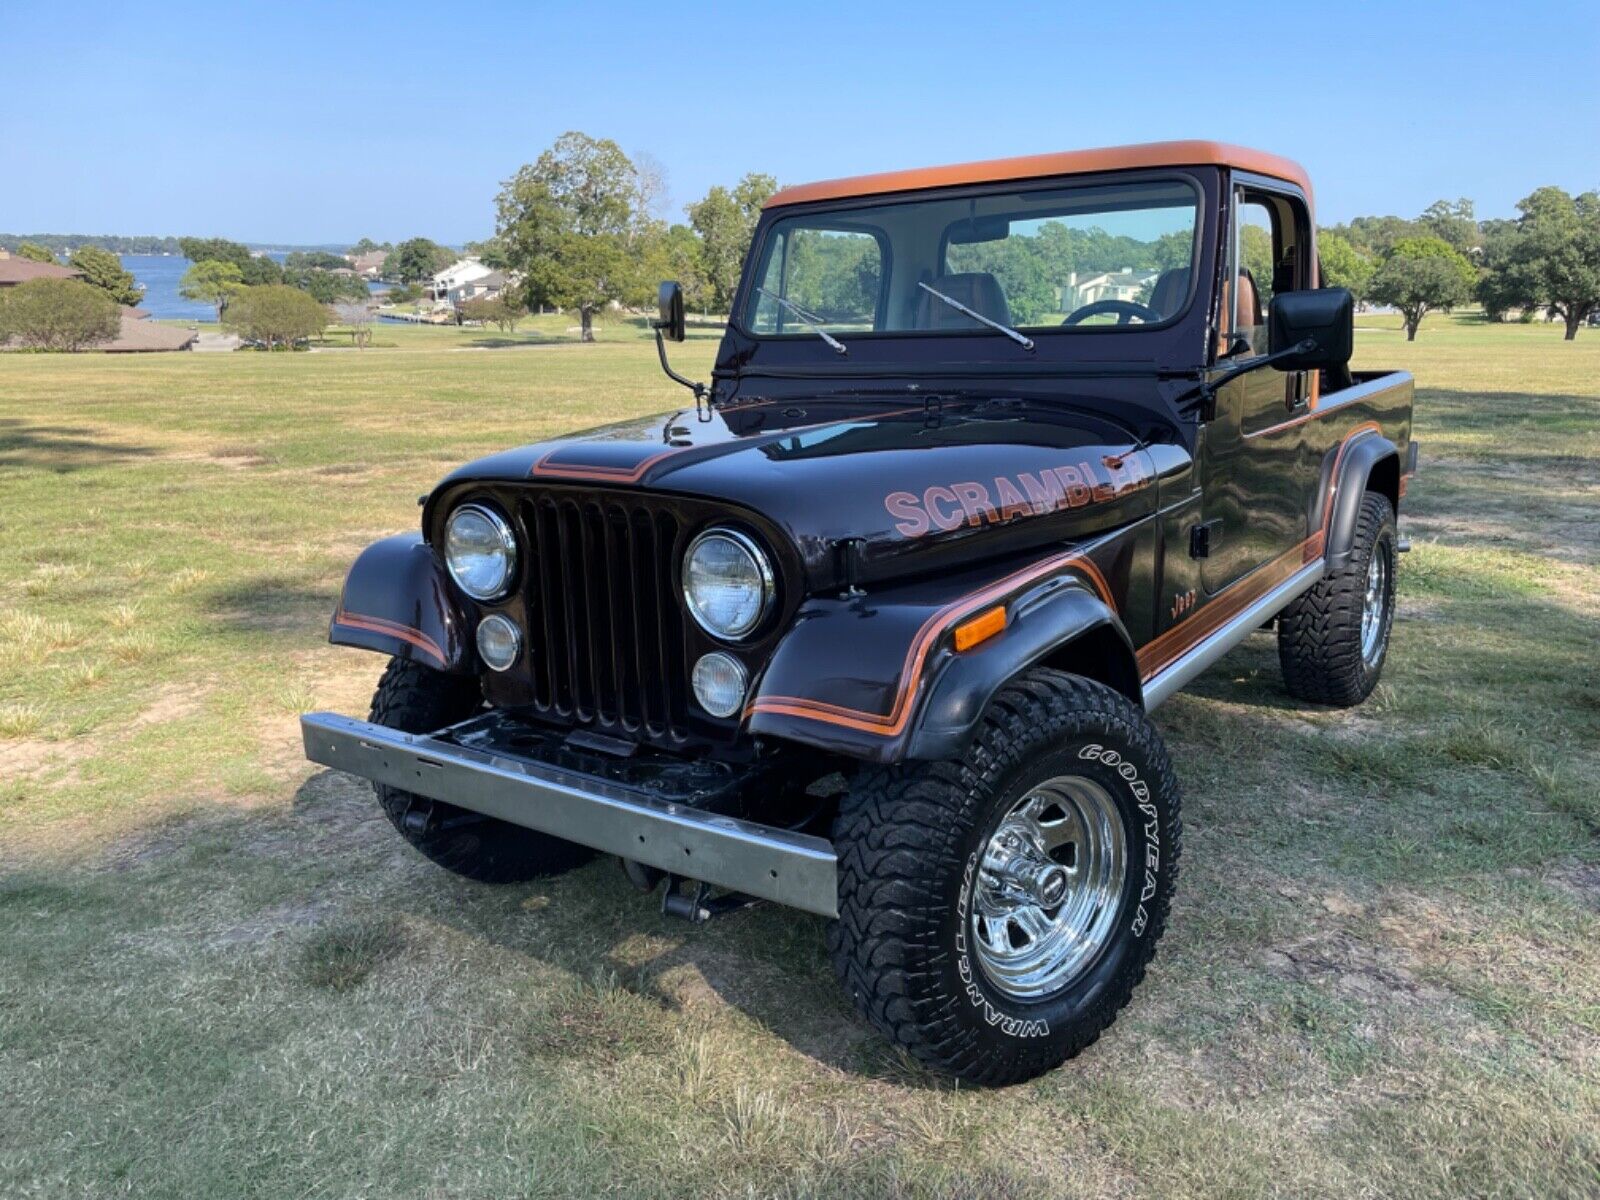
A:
x,y
508,542
763,568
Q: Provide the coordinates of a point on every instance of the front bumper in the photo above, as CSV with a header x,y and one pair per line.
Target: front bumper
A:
x,y
794,869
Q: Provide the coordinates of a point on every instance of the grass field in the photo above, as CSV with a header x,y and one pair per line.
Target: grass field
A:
x,y
222,974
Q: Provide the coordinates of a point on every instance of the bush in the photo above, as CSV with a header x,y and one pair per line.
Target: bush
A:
x,y
274,315
501,311
58,314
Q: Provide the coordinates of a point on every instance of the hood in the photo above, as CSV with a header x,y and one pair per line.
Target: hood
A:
x,y
872,489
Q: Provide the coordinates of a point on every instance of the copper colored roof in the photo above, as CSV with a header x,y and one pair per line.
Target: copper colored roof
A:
x,y
1039,166
21,270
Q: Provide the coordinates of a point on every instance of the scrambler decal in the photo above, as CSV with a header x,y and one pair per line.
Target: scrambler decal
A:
x,y
1013,1026
1025,494
1152,828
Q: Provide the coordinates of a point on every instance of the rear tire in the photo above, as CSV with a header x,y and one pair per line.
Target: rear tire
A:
x,y
943,946
417,699
1332,641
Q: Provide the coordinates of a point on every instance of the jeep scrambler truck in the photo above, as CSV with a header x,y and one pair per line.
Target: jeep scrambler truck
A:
x,y
994,459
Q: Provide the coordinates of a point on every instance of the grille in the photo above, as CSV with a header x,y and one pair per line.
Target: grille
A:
x,y
605,630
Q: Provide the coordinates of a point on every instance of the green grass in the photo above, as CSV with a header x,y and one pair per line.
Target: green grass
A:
x,y
221,973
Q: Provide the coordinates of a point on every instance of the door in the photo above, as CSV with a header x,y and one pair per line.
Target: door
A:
x,y
1254,510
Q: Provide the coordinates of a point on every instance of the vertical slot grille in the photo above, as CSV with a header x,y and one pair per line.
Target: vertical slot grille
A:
x,y
605,630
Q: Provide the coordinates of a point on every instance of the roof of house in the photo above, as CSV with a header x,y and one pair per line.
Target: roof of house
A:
x,y
1038,166
139,335
21,270
372,260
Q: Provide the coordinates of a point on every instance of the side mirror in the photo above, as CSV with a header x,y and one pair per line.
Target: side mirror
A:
x,y
669,300
1325,317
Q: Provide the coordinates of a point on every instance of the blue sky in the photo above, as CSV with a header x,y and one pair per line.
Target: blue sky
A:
x,y
327,122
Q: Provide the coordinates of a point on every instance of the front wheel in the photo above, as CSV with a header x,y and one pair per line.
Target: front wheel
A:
x,y
996,913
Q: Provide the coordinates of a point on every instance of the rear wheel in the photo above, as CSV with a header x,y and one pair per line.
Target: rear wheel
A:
x,y
1332,641
417,699
997,912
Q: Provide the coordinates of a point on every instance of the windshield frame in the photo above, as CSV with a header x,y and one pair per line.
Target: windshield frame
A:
x,y
853,223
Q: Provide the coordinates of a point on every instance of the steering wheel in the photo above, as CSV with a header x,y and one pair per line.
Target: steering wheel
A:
x,y
1126,310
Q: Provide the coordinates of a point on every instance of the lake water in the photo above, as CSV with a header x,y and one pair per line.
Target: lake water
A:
x,y
161,274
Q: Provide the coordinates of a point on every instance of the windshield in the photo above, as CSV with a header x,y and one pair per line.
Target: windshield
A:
x,y
1044,259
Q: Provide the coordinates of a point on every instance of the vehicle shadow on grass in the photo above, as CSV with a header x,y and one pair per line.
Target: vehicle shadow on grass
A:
x,y
59,448
766,962
272,604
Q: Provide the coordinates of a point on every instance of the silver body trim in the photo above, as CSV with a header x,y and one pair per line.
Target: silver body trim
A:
x,y
795,869
1174,678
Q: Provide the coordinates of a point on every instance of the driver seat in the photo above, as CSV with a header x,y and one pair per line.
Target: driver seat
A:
x,y
978,290
1171,287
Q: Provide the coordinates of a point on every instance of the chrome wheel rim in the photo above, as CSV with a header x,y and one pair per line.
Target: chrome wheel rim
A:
x,y
1374,605
1049,887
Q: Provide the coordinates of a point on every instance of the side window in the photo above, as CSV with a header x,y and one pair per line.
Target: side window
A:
x,y
1258,243
830,277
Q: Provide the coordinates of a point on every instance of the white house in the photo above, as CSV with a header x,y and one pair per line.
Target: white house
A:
x,y
457,277
1090,286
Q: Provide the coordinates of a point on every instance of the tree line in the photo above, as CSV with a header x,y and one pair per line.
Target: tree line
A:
x,y
1545,260
65,243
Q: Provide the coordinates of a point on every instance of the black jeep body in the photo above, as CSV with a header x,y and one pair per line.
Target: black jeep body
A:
x,y
943,509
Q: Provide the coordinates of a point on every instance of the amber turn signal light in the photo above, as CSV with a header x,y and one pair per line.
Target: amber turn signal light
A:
x,y
981,628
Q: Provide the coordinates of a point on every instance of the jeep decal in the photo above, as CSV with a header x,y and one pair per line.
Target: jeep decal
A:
x,y
1025,494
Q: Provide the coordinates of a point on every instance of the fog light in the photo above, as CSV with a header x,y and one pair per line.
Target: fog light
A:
x,y
499,643
719,682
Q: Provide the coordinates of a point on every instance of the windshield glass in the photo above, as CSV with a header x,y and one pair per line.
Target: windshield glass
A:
x,y
1051,259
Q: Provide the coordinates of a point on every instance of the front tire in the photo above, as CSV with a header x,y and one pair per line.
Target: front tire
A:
x,y
1332,641
417,699
982,926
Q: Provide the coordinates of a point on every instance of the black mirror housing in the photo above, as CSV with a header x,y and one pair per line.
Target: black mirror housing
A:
x,y
1326,317
670,319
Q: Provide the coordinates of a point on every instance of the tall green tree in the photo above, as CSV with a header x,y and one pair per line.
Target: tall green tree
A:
x,y
1421,274
212,282
103,270
1555,259
1501,286
1343,265
1453,223
572,223
417,259
254,269
726,220
57,314
276,315
34,252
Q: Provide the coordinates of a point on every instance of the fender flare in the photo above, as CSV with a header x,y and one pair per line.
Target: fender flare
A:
x,y
396,600
1042,626
1361,457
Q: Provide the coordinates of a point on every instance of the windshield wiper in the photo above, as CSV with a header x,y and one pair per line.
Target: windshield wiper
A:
x,y
809,319
1025,342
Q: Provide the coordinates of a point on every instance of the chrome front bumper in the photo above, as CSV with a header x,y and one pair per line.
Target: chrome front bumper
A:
x,y
794,869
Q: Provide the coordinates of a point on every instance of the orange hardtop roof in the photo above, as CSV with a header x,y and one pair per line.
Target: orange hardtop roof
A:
x,y
1038,166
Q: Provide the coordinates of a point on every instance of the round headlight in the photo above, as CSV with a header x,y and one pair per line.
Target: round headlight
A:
x,y
481,552
727,583
719,682
499,643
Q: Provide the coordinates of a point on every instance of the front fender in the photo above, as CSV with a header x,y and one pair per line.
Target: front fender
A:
x,y
877,677
396,600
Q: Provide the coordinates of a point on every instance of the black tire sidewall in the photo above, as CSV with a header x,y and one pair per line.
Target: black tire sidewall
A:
x,y
1056,1024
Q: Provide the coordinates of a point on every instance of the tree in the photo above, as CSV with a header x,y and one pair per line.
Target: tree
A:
x,y
275,314
357,318
1501,284
675,253
503,311
212,282
1453,223
1555,259
319,260
253,269
368,246
1343,265
417,259
325,286
34,252
103,269
726,221
571,224
58,314
1421,274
